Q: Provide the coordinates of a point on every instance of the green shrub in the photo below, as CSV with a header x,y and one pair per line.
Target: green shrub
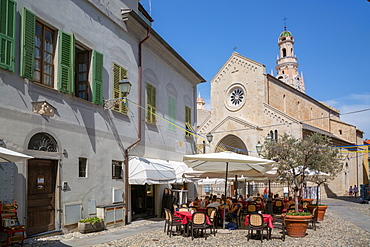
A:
x,y
91,220
300,214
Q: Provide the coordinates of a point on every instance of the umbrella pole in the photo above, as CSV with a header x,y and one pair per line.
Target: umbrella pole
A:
x,y
227,169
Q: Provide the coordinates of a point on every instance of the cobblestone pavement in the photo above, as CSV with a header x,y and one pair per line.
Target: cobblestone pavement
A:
x,y
346,223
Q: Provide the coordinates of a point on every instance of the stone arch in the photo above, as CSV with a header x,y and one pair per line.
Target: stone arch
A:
x,y
231,143
43,141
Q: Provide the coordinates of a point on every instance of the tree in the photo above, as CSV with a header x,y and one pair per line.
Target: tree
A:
x,y
297,158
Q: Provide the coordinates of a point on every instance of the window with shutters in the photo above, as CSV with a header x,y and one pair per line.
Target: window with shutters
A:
x,y
188,120
7,34
172,113
82,64
44,55
119,74
151,94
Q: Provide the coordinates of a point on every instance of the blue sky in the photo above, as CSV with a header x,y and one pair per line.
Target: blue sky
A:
x,y
332,43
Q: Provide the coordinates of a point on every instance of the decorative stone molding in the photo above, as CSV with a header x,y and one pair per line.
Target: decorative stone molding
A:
x,y
43,108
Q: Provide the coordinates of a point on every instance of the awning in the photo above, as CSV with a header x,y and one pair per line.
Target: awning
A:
x,y
7,155
179,167
144,171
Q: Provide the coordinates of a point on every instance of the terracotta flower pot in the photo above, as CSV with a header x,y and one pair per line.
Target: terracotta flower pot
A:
x,y
296,226
320,212
308,200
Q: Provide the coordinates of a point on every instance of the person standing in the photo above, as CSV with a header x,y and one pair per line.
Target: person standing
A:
x,y
265,194
350,191
355,190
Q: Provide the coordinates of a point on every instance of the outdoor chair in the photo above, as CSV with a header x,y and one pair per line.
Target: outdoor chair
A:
x,y
183,209
184,205
251,208
209,211
213,219
172,221
175,207
313,220
278,224
239,214
278,207
291,208
304,205
256,223
198,223
195,209
227,206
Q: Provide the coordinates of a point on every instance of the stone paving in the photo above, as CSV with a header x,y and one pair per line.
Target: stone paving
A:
x,y
347,223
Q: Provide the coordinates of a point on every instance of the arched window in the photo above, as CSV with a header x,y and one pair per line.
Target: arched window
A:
x,y
284,52
276,135
272,134
43,142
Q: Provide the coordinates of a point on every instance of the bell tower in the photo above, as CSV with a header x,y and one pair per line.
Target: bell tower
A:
x,y
287,63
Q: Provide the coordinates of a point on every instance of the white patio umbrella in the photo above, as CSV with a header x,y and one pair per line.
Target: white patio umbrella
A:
x,y
7,155
228,163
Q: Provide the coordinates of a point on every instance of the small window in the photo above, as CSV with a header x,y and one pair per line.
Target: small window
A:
x,y
340,132
276,135
82,167
284,52
44,55
116,169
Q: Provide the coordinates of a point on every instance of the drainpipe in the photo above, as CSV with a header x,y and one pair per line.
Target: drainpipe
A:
x,y
140,79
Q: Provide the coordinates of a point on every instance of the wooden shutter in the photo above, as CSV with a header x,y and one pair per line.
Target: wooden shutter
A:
x,y
188,119
151,99
65,62
172,112
7,34
118,74
27,43
97,78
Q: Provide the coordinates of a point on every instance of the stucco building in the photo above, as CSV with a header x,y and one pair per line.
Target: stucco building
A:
x,y
247,104
60,62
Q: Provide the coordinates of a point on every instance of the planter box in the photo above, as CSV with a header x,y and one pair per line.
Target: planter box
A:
x,y
88,227
296,226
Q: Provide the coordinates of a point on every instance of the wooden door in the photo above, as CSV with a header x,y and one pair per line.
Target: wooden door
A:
x,y
41,196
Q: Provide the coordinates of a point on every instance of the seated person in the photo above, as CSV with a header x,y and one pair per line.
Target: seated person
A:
x,y
214,203
290,202
229,201
241,198
205,202
250,198
195,203
233,211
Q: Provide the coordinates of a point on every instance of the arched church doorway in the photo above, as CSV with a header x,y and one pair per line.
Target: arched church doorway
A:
x,y
41,186
231,143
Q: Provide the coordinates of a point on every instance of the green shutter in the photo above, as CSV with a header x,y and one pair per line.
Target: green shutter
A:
x,y
97,78
118,74
27,43
73,62
172,112
7,34
187,120
65,62
151,98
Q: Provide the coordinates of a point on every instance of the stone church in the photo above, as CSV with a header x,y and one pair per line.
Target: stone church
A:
x,y
247,104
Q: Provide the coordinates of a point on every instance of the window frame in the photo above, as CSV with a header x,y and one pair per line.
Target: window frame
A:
x,y
151,102
116,164
188,121
82,171
80,50
43,39
119,73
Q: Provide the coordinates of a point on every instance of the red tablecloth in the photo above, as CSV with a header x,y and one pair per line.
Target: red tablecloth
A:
x,y
267,218
187,216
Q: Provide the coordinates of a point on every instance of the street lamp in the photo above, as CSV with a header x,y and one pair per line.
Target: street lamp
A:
x,y
124,87
209,139
259,148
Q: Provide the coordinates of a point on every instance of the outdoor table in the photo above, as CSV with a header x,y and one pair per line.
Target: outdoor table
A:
x,y
186,219
267,218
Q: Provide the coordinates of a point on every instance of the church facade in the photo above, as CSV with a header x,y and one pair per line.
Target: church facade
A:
x,y
247,104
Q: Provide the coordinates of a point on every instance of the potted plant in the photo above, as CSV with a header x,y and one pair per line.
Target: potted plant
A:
x,y
92,224
301,160
297,223
320,211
